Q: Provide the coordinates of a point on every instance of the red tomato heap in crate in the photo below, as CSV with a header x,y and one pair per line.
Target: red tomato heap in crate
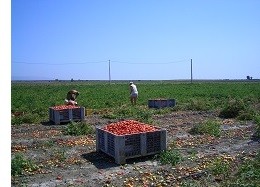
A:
x,y
128,127
66,113
128,139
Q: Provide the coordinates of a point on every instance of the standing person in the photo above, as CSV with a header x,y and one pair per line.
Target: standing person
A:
x,y
71,97
133,93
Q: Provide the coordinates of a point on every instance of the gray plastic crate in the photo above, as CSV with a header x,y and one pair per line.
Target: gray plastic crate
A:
x,y
161,103
122,147
66,115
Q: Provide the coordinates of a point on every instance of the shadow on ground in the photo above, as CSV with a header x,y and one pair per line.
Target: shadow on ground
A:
x,y
103,161
51,123
100,160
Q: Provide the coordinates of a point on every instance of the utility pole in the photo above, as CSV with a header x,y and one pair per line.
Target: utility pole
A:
x,y
191,70
109,72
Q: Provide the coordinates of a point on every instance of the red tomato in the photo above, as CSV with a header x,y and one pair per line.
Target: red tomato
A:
x,y
62,107
128,127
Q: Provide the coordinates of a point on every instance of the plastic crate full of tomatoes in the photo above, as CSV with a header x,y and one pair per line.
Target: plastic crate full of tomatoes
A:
x,y
129,139
66,113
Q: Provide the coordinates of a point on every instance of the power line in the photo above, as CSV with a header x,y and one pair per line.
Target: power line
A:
x,y
97,62
69,63
109,64
172,62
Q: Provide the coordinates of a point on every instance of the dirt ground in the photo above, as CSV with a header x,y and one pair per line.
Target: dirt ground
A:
x,y
73,160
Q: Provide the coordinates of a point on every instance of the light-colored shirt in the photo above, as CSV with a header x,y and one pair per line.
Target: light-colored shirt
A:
x,y
133,89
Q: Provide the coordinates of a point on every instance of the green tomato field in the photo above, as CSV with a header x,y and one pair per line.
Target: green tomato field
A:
x,y
213,134
34,99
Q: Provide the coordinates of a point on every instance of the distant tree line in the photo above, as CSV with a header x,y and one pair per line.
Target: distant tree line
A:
x,y
249,78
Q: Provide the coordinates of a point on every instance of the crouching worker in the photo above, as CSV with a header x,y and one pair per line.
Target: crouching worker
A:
x,y
71,97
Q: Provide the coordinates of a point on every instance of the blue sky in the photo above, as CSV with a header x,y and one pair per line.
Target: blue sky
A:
x,y
143,40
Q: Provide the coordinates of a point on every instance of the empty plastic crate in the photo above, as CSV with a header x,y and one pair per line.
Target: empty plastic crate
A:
x,y
161,103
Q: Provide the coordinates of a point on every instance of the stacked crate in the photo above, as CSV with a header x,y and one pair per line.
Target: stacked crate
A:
x,y
122,147
59,116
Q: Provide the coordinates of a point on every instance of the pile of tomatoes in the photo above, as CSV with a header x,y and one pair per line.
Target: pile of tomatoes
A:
x,y
62,107
128,127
